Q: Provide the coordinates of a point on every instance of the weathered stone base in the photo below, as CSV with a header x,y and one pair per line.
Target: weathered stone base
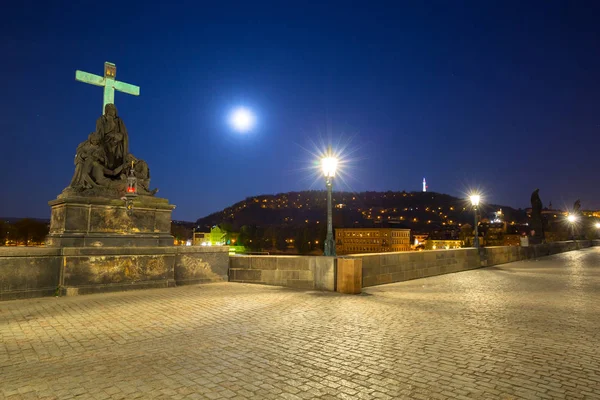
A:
x,y
108,240
102,222
34,272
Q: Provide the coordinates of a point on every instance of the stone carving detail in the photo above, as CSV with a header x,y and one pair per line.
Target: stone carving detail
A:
x,y
103,161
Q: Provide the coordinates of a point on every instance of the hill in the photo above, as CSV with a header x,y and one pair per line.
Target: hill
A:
x,y
420,211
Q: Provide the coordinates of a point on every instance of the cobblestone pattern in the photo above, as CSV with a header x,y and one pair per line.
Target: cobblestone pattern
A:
x,y
523,330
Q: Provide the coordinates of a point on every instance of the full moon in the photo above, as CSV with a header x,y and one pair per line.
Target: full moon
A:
x,y
242,119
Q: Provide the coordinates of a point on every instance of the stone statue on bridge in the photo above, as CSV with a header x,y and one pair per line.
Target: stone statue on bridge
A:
x,y
576,207
103,161
108,202
537,223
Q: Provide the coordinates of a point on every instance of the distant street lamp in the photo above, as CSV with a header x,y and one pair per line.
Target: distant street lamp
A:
x,y
329,165
475,202
572,219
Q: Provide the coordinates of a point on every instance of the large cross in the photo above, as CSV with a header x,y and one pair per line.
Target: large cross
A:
x,y
109,82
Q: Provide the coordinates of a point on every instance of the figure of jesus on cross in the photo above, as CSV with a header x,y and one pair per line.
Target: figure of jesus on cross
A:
x,y
109,82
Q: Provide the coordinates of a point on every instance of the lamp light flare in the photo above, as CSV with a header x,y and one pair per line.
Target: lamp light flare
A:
x,y
597,225
475,199
572,218
242,119
329,165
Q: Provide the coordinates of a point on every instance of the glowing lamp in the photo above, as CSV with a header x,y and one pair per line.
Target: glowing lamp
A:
x,y
597,225
329,165
475,198
572,218
130,191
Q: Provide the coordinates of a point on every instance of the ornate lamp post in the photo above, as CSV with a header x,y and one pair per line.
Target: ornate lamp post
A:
x,y
131,191
475,202
329,165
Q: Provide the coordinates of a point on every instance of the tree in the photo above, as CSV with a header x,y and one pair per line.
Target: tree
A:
x,y
270,236
302,241
322,235
280,240
29,231
244,236
466,232
181,232
3,232
251,237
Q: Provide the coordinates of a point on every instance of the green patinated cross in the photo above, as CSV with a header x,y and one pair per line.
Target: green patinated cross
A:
x,y
109,82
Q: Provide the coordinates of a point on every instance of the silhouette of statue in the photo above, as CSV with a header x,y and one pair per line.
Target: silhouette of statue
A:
x,y
537,225
576,206
113,135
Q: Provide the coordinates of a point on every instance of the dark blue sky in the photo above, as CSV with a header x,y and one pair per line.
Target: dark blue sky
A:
x,y
501,95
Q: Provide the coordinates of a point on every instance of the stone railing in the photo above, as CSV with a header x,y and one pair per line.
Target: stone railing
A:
x,y
33,272
325,273
383,268
310,272
504,254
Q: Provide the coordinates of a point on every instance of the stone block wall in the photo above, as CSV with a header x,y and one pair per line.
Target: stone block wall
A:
x,y
384,268
29,272
506,254
196,264
34,272
291,271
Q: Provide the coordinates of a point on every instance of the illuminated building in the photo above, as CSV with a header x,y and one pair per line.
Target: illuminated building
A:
x,y
439,244
424,185
201,239
371,240
420,239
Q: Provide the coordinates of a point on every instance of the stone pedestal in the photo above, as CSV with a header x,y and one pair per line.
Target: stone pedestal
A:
x,y
103,222
349,275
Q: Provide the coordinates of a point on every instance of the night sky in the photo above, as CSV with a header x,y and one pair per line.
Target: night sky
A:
x,y
503,95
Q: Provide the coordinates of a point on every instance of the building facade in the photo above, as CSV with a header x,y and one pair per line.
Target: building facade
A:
x,y
371,240
440,244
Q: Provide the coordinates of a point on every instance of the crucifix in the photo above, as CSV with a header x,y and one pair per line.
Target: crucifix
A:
x,y
109,82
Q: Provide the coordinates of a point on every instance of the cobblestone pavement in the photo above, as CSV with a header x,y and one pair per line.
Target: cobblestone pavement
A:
x,y
522,330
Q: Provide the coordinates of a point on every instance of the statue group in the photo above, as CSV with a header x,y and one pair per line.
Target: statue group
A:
x,y
103,161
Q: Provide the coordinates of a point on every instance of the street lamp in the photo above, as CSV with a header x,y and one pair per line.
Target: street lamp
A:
x,y
329,165
475,202
572,218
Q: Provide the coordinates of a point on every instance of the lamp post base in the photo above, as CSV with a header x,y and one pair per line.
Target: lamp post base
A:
x,y
329,247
